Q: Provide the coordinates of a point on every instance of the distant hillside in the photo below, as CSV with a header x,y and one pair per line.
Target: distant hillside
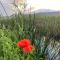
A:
x,y
45,12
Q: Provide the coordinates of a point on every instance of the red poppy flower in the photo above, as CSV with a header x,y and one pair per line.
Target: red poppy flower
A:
x,y
23,43
28,49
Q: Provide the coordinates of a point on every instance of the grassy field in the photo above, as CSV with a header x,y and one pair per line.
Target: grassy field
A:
x,y
38,29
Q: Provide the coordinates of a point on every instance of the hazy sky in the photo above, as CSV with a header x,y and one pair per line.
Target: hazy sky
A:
x,y
35,4
7,6
44,4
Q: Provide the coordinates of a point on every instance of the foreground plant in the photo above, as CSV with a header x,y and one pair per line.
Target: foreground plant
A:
x,y
25,44
26,47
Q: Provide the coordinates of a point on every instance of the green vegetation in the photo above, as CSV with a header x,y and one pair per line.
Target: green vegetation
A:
x,y
32,27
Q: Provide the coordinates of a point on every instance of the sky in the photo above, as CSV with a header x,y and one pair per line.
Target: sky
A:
x,y
34,4
44,4
7,6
